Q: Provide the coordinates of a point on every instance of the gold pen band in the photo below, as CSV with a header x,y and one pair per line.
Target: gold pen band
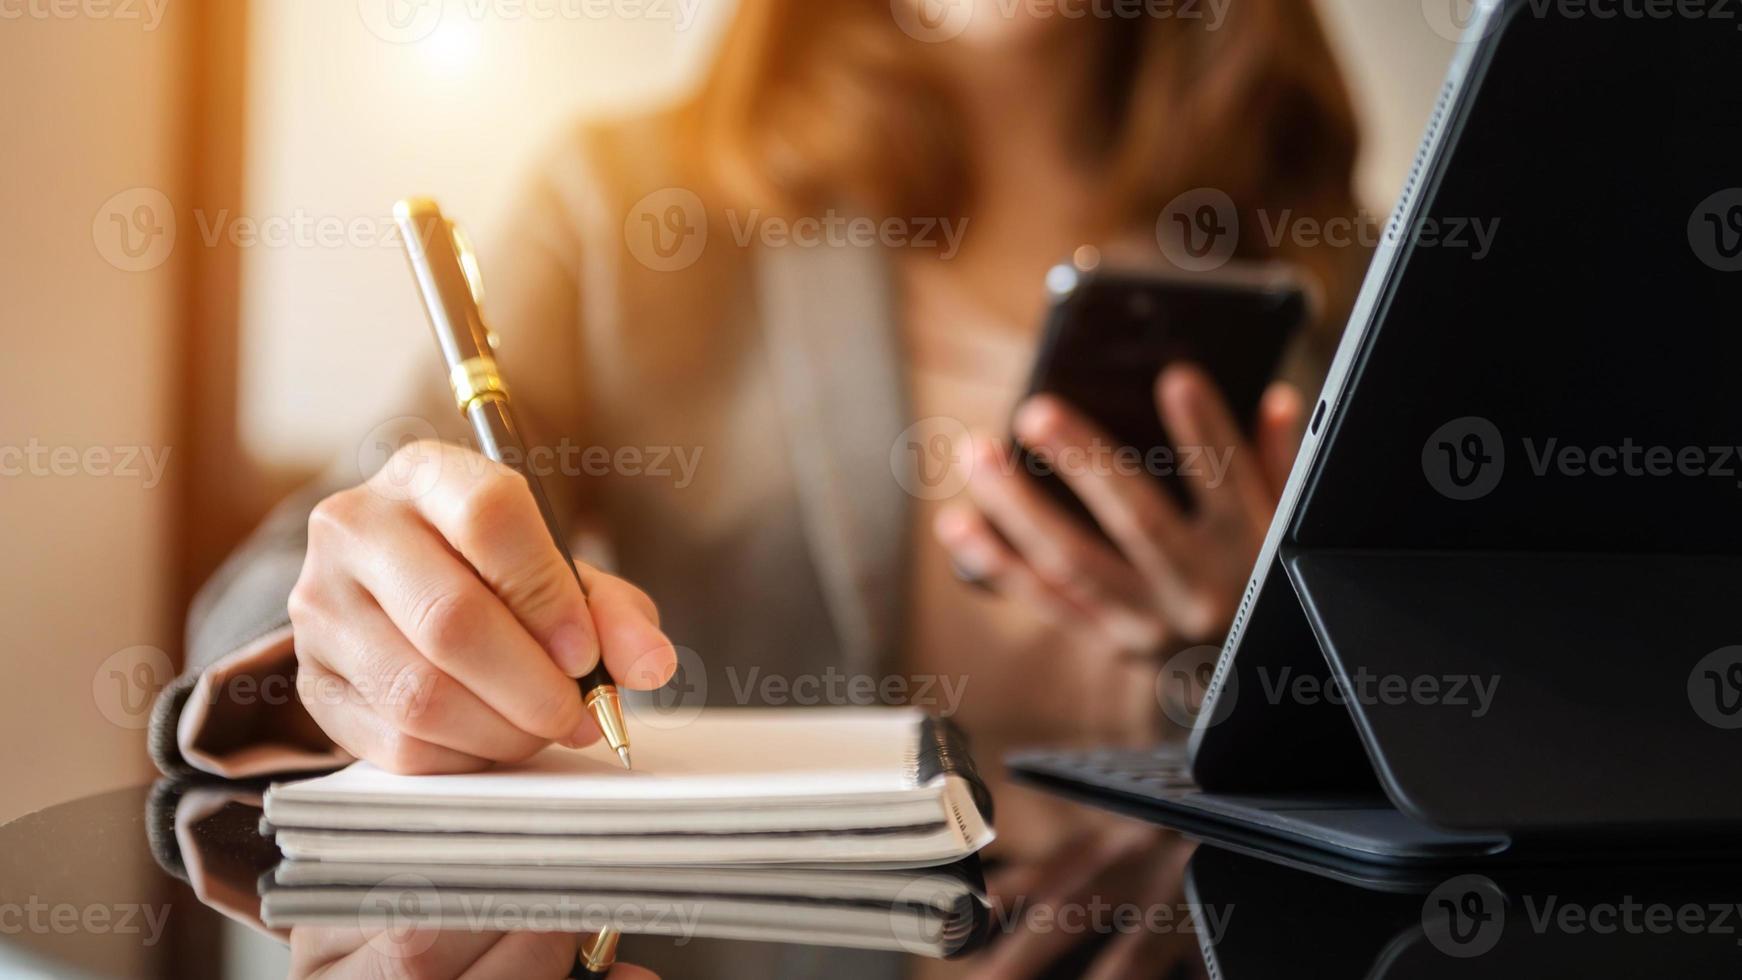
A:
x,y
476,379
599,954
606,707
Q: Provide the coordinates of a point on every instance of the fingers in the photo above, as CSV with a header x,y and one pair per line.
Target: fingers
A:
x,y
367,735
1281,420
488,513
637,653
979,551
358,643
1066,555
451,617
1228,486
371,952
527,956
1135,512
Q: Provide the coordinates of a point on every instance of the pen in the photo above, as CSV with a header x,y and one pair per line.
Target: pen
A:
x,y
452,292
597,955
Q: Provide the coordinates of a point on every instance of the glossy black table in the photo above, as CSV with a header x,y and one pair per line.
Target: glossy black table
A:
x,y
162,881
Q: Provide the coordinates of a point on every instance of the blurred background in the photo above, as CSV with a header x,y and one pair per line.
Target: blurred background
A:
x,y
202,297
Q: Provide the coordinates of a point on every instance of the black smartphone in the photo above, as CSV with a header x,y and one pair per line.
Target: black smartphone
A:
x,y
1110,332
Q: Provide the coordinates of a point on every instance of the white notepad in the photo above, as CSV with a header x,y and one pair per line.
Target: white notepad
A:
x,y
863,787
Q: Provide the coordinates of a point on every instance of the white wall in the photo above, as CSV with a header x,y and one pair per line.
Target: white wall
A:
x,y
350,113
1396,62
91,111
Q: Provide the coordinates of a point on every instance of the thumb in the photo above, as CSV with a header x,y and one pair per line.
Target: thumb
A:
x,y
1281,422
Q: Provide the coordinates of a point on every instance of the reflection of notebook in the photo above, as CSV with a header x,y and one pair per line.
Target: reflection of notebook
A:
x,y
932,912
863,787
929,912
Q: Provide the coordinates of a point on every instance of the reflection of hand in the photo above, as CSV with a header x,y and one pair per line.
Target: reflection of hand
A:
x,y
437,626
1170,579
1122,890
339,953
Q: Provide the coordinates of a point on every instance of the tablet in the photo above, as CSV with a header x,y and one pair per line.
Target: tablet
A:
x,y
1511,537
1498,592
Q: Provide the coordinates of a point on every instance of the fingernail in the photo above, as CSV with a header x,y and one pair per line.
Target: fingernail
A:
x,y
654,670
967,576
951,525
988,459
573,648
972,560
1033,420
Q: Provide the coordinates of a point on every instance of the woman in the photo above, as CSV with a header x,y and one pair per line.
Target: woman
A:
x,y
659,290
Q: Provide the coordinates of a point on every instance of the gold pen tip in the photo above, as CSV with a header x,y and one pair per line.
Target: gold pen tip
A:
x,y
623,753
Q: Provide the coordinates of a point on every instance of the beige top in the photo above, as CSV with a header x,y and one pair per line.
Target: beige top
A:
x,y
1023,682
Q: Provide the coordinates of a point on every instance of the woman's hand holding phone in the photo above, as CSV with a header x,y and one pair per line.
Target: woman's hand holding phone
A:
x,y
1169,579
438,630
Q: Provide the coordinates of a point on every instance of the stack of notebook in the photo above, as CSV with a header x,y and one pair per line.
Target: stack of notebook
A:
x,y
850,827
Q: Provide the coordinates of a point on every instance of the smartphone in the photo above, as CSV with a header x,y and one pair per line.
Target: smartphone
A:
x,y
1110,332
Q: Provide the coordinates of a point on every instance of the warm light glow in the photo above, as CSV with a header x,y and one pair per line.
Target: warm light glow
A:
x,y
454,45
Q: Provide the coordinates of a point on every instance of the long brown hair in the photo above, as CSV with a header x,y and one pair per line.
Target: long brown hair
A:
x,y
813,103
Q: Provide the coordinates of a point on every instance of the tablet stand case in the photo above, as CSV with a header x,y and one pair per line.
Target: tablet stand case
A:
x,y
1592,603
1595,604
